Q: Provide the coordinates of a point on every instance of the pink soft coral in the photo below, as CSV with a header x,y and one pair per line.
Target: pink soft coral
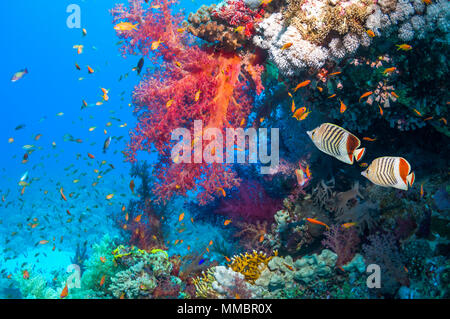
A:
x,y
189,84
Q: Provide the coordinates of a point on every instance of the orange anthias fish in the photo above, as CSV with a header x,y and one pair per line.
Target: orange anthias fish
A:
x,y
90,155
26,274
43,242
365,95
299,112
138,218
155,44
343,107
369,139
317,222
125,26
381,110
348,225
308,172
64,292
389,70
61,191
222,191
227,222
302,84
403,47
181,217
169,103
417,112
335,73
286,46
421,190
90,70
102,281
102,259
197,95
371,33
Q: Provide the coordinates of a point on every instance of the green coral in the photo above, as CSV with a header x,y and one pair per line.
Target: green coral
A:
x,y
99,264
35,287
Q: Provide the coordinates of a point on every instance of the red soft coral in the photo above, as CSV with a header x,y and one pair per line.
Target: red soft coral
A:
x,y
189,84
237,13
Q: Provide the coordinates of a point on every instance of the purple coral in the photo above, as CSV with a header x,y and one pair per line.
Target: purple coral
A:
x,y
343,241
250,203
383,251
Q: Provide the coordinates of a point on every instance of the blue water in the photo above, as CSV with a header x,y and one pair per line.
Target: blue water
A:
x,y
39,40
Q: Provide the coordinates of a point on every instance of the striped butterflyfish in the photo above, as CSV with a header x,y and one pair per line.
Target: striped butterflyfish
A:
x,y
390,172
337,142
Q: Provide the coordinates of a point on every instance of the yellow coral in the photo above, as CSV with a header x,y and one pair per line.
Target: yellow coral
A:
x,y
203,284
250,265
334,19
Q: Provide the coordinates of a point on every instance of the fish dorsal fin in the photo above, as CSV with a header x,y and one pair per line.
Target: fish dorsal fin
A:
x,y
352,144
404,169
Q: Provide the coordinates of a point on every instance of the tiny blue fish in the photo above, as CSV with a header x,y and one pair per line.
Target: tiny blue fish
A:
x,y
201,261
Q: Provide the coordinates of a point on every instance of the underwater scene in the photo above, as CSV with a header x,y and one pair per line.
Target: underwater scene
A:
x,y
234,149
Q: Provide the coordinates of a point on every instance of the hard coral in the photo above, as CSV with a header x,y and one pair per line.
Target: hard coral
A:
x,y
185,72
225,37
250,265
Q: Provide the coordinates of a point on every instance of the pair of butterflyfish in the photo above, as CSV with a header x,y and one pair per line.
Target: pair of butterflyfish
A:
x,y
386,171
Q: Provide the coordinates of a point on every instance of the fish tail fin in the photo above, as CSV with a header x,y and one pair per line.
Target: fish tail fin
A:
x,y
411,178
359,153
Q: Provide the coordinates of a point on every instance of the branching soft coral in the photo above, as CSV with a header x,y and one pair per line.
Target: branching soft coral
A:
x,y
343,241
189,84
